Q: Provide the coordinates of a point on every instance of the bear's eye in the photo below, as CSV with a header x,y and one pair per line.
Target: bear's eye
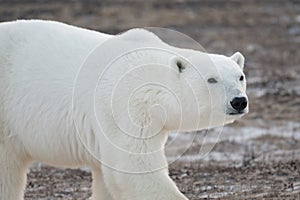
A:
x,y
212,80
241,78
180,66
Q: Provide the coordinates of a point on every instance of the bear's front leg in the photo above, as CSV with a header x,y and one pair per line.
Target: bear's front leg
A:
x,y
146,186
100,191
135,167
13,168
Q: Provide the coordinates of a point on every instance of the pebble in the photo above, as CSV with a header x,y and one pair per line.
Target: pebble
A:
x,y
252,48
294,30
297,18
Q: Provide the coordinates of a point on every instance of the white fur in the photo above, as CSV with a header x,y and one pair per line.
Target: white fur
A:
x,y
39,62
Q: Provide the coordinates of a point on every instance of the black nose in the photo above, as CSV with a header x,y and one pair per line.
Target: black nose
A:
x,y
239,103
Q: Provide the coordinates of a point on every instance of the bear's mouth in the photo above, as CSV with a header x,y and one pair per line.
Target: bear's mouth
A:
x,y
237,113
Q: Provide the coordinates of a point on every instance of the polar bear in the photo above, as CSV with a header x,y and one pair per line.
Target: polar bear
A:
x,y
56,110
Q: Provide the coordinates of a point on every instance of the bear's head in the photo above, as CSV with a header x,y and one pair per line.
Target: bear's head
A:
x,y
212,90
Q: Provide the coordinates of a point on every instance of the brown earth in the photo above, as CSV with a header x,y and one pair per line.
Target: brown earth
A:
x,y
279,180
266,32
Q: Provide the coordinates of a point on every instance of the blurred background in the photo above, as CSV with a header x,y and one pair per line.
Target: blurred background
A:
x,y
257,157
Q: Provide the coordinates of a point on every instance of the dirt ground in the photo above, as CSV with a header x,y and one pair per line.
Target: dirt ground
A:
x,y
265,166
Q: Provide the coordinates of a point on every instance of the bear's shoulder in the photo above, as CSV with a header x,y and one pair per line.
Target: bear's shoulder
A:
x,y
140,35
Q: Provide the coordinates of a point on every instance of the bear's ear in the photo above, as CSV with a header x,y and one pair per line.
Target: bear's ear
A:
x,y
177,63
239,59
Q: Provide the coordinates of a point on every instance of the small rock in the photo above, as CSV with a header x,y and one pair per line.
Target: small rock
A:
x,y
297,18
252,48
294,30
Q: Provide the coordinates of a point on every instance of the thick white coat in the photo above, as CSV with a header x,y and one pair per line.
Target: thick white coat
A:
x,y
41,121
